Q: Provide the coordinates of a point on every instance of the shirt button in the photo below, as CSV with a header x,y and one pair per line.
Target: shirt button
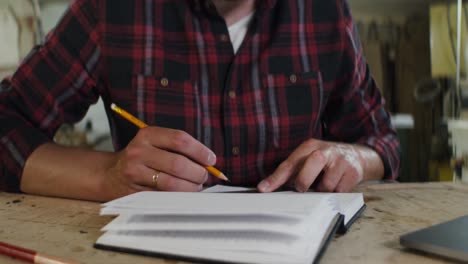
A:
x,y
235,151
164,82
293,78
224,38
232,94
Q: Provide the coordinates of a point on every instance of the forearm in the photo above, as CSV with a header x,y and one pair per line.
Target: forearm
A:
x,y
77,173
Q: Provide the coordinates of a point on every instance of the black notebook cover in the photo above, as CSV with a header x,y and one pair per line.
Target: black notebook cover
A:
x,y
344,227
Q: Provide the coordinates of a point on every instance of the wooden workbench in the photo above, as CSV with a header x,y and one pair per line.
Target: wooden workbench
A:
x,y
68,228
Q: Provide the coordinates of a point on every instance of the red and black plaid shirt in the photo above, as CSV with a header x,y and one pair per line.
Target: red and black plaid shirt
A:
x,y
299,74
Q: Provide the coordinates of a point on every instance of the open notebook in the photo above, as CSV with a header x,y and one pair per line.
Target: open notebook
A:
x,y
235,226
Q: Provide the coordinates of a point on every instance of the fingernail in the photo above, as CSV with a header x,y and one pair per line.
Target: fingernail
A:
x,y
211,158
301,189
263,186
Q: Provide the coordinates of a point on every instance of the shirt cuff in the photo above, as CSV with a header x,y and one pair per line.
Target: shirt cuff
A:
x,y
15,149
388,148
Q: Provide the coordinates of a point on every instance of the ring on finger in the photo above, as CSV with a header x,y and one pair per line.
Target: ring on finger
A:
x,y
155,178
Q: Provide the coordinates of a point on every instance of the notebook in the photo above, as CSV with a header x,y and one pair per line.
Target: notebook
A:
x,y
229,225
448,239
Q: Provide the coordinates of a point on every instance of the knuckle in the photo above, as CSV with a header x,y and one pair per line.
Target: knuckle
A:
x,y
310,159
339,159
310,143
287,166
143,132
203,176
171,184
132,177
327,184
180,139
318,155
284,171
132,152
177,165
354,175
129,173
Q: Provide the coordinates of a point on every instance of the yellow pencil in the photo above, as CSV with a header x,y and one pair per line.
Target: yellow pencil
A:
x,y
141,124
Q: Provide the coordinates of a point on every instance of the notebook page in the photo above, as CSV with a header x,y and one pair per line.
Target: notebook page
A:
x,y
348,203
212,203
290,225
118,210
224,188
249,246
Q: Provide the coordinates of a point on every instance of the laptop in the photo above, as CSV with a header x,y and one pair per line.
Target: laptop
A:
x,y
448,239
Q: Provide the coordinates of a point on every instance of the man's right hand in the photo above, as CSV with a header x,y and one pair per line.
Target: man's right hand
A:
x,y
81,173
173,158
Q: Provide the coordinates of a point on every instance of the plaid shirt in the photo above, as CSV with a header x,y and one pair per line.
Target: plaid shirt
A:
x,y
299,74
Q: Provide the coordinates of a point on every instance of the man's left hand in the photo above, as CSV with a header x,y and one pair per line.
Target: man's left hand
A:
x,y
342,166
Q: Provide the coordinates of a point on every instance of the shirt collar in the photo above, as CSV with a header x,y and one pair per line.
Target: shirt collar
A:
x,y
199,5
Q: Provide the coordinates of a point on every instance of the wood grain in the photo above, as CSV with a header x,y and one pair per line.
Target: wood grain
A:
x,y
68,228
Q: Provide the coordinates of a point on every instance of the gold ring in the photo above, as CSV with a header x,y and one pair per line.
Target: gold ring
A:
x,y
155,179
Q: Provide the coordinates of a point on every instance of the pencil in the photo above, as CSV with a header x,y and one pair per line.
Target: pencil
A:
x,y
215,172
30,256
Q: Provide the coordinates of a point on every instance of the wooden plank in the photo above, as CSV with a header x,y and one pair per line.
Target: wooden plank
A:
x,y
392,210
68,228
58,227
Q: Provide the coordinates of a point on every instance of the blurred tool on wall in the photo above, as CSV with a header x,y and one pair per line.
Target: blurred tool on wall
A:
x,y
429,93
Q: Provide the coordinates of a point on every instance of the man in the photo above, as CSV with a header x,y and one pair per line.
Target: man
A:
x,y
271,92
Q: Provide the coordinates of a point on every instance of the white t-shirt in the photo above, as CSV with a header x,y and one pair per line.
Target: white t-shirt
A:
x,y
238,30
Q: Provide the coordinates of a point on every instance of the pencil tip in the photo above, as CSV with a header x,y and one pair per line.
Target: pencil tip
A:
x,y
225,178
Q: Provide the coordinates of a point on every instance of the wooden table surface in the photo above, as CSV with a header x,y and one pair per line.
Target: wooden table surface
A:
x,y
68,228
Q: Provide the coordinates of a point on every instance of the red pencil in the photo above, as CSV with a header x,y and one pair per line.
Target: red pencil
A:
x,y
30,255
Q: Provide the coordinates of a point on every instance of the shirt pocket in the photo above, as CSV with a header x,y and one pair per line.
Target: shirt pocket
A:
x,y
166,102
294,102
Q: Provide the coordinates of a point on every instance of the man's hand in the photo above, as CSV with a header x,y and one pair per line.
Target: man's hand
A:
x,y
340,166
176,157
81,173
